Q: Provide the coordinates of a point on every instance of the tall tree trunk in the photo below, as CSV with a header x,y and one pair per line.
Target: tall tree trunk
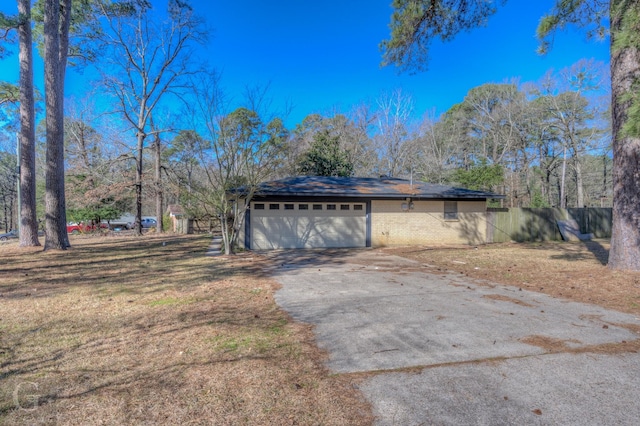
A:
x,y
579,183
577,166
158,181
604,180
138,222
28,218
545,176
545,187
625,233
563,197
224,227
7,204
84,155
56,33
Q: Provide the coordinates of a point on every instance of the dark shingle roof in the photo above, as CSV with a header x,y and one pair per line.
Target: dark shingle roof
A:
x,y
321,186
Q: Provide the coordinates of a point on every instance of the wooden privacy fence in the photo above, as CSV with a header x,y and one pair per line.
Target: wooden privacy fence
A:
x,y
520,224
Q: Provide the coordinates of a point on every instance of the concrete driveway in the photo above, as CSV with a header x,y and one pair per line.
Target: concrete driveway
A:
x,y
441,348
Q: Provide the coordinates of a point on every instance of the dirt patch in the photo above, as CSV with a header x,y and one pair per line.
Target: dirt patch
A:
x,y
549,344
552,345
150,330
571,270
507,299
634,328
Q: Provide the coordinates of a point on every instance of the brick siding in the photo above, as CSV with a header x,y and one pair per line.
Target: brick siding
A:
x,y
425,223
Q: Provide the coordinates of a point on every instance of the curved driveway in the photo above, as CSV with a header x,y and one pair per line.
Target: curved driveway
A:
x,y
440,348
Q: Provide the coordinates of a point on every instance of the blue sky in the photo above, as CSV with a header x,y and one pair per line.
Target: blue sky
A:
x,y
321,56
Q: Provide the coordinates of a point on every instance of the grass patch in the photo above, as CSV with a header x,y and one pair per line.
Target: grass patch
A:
x,y
125,330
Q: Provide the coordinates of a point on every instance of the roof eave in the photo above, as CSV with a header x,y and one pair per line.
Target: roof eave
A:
x,y
380,196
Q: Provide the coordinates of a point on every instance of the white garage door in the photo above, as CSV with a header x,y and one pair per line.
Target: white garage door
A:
x,y
307,225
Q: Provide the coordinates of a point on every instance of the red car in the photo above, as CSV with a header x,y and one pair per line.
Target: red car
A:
x,y
81,228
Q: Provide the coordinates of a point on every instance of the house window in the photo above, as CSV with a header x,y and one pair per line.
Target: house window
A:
x,y
274,206
450,210
258,206
317,206
357,207
303,206
331,206
288,206
344,206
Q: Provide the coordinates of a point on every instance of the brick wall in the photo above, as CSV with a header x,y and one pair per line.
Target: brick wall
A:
x,y
425,223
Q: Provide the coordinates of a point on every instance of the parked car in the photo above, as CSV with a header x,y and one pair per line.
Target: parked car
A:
x,y
81,227
148,222
8,235
124,222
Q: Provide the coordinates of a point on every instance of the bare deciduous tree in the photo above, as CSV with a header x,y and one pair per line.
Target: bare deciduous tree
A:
x,y
243,149
393,120
148,59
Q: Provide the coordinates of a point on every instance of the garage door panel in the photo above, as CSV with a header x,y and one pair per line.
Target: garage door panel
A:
x,y
290,229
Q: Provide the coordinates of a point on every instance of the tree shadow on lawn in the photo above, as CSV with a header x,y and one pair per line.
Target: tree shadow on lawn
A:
x,y
132,266
573,252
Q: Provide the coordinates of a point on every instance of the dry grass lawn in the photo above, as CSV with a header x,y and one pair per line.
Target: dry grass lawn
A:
x,y
125,330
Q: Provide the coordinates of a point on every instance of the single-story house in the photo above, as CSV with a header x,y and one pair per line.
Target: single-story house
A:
x,y
319,212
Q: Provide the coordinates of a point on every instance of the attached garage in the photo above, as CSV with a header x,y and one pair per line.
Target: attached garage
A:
x,y
330,212
279,225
